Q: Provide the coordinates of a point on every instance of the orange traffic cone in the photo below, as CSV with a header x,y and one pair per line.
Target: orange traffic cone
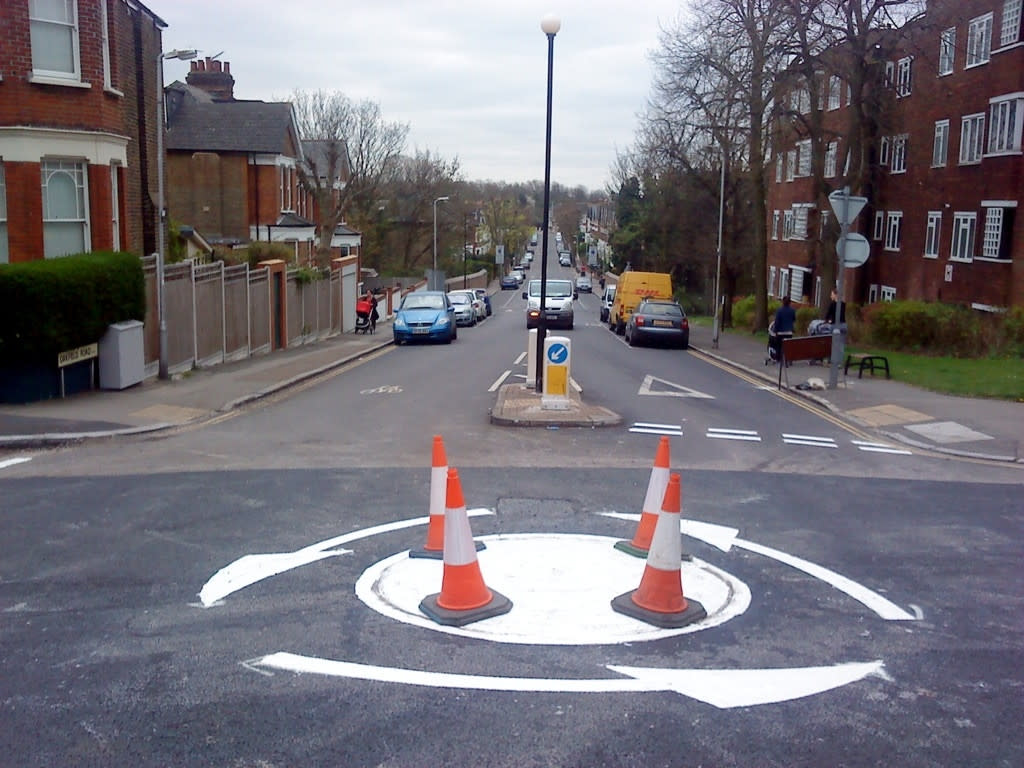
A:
x,y
659,599
464,598
641,542
434,547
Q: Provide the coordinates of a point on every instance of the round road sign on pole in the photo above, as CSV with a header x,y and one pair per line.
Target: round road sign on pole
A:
x,y
855,249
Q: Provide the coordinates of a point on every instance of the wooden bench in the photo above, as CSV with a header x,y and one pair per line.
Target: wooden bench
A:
x,y
804,348
869,362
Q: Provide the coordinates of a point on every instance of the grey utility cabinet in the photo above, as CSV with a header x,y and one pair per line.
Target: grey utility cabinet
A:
x,y
122,357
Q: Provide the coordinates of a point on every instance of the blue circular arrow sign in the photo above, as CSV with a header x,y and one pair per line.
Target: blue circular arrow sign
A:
x,y
558,353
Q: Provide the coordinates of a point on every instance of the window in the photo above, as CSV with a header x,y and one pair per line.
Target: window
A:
x,y
879,225
883,151
800,213
890,74
824,225
108,81
1011,23
964,225
53,32
65,220
783,282
779,162
979,40
903,76
771,281
790,164
947,49
115,206
941,146
1004,124
831,152
899,154
893,225
803,163
972,129
931,234
996,238
4,254
888,293
775,225
834,84
796,283
872,293
787,225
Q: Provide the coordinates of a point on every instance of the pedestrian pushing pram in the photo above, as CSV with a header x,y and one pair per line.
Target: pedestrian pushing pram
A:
x,y
363,310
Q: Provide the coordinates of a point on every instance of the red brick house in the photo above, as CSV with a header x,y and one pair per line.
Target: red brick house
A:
x,y
232,164
78,110
946,169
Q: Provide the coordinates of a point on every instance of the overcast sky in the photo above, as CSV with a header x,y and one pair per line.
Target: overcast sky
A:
x,y
469,78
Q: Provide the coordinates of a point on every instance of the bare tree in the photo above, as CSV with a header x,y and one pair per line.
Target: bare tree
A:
x,y
350,153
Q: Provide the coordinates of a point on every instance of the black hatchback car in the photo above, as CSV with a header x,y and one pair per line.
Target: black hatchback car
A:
x,y
661,322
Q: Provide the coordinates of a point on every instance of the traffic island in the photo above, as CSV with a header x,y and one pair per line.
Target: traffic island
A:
x,y
518,405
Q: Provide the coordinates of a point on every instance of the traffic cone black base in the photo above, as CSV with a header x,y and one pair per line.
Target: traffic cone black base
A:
x,y
693,613
438,554
498,605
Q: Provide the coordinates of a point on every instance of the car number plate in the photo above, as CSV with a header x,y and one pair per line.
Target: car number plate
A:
x,y
421,330
663,323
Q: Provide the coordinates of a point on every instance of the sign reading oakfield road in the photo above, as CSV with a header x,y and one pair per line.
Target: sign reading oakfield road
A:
x,y
70,356
846,207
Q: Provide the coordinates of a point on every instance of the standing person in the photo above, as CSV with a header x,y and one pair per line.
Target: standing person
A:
x,y
374,315
785,323
830,313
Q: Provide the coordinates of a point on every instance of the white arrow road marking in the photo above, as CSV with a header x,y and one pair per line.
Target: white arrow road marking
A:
x,y
881,448
884,608
645,428
16,460
722,688
818,442
675,390
733,434
249,569
718,536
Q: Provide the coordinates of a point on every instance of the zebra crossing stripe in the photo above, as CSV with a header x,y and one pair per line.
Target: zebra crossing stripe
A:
x,y
818,442
646,428
880,448
733,434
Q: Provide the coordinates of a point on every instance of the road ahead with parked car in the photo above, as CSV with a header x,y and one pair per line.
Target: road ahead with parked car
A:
x,y
241,593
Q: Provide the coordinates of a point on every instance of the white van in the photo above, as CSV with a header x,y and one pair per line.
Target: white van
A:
x,y
558,298
606,302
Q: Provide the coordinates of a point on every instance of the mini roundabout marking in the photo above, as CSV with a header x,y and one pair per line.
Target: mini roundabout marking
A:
x,y
561,586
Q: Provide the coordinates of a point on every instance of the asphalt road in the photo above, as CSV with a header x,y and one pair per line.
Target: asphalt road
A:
x,y
872,615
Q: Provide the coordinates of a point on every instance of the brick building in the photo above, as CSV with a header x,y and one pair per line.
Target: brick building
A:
x,y
78,85
945,170
232,164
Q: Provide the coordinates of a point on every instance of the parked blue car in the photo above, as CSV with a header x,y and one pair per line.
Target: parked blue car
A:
x,y
426,316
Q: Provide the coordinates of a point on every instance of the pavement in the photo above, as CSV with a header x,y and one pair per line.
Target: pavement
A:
x,y
983,429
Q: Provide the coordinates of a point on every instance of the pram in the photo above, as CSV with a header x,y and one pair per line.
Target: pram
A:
x,y
774,350
363,309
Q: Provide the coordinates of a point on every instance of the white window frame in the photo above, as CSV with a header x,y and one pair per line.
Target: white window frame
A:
x,y
835,84
898,163
872,293
947,51
890,74
893,228
995,231
1006,114
790,164
932,235
801,215
50,169
5,255
887,292
1010,30
965,225
822,224
40,74
879,229
787,224
904,75
115,206
979,40
775,224
940,145
780,161
771,281
831,153
803,161
783,282
883,151
972,138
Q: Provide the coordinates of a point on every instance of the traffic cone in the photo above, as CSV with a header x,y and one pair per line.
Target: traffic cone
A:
x,y
464,598
434,547
641,542
659,599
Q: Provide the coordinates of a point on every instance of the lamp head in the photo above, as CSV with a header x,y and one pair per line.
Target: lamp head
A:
x,y
184,54
550,25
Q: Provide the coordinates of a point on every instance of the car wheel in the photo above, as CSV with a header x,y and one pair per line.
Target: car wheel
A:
x,y
570,325
620,328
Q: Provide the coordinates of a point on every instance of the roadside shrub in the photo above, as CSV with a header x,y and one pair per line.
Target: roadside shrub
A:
x,y
804,315
52,305
929,328
1013,331
743,313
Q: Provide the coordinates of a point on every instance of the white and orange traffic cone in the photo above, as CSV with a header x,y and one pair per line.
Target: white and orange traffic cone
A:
x,y
464,598
659,599
434,546
656,486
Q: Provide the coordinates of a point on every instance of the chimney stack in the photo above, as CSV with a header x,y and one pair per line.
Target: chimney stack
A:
x,y
214,77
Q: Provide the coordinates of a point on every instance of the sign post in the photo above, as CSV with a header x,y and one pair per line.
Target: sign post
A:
x,y
846,208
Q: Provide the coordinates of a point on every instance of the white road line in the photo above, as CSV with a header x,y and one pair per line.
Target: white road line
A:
x,y
519,360
671,431
733,434
16,460
498,382
820,442
881,448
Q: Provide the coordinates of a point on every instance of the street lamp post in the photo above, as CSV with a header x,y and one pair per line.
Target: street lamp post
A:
x,y
161,254
465,238
433,280
549,25
718,269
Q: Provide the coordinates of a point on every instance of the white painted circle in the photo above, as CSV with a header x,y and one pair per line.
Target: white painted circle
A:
x,y
560,585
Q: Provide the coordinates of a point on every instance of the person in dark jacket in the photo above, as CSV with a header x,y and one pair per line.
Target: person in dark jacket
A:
x,y
830,313
783,325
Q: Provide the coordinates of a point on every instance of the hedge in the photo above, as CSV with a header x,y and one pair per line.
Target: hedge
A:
x,y
52,305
